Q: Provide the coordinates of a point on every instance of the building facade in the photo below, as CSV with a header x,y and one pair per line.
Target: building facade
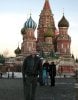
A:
x,y
48,41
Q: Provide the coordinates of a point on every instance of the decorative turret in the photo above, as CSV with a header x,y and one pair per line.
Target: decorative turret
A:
x,y
17,51
63,22
63,39
29,40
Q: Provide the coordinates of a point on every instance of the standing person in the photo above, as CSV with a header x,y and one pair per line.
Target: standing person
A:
x,y
45,72
40,79
52,72
44,75
31,66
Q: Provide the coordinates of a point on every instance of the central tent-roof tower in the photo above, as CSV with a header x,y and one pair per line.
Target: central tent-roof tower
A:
x,y
46,21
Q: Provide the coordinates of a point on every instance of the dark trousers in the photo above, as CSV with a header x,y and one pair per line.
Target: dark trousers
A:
x,y
30,88
52,80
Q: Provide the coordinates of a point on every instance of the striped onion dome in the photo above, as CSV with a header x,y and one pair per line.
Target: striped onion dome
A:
x,y
30,23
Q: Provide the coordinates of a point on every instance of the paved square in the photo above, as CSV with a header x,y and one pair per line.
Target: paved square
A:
x,y
12,89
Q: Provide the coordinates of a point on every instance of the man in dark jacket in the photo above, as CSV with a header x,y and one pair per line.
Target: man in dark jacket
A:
x,y
31,66
52,73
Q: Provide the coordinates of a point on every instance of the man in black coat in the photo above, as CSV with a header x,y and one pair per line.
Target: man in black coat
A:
x,y
52,72
31,66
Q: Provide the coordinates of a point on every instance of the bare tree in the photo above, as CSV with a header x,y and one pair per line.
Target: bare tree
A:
x,y
6,53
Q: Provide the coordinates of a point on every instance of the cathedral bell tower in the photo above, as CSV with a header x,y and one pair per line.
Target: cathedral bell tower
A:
x,y
46,25
29,41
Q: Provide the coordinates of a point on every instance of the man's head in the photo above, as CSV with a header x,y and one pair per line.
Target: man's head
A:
x,y
33,53
52,62
46,61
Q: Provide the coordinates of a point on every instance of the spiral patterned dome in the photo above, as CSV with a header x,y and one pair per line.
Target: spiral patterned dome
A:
x,y
63,22
30,23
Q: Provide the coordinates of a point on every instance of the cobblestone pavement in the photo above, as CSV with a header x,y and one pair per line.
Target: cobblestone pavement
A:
x,y
12,89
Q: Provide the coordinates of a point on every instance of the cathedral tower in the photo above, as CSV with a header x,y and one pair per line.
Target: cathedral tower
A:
x,y
29,40
63,39
46,28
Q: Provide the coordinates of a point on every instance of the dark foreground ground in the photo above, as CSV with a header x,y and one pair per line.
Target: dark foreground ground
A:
x,y
12,89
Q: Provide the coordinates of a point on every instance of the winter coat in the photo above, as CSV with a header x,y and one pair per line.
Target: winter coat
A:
x,y
52,70
46,65
31,66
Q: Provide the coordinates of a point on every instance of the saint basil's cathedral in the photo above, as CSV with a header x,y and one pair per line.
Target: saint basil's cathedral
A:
x,y
48,39
49,42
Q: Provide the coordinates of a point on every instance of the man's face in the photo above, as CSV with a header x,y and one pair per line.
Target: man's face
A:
x,y
33,54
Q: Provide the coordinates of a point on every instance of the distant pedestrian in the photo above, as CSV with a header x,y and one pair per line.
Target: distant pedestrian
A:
x,y
52,72
45,72
76,74
12,74
0,74
31,67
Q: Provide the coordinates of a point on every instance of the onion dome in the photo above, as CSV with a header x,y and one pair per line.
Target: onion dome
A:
x,y
23,31
30,23
63,22
17,51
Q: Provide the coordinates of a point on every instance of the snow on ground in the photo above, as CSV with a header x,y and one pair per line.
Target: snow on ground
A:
x,y
16,75
19,75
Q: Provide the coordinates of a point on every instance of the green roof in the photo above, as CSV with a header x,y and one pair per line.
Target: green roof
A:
x,y
49,32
